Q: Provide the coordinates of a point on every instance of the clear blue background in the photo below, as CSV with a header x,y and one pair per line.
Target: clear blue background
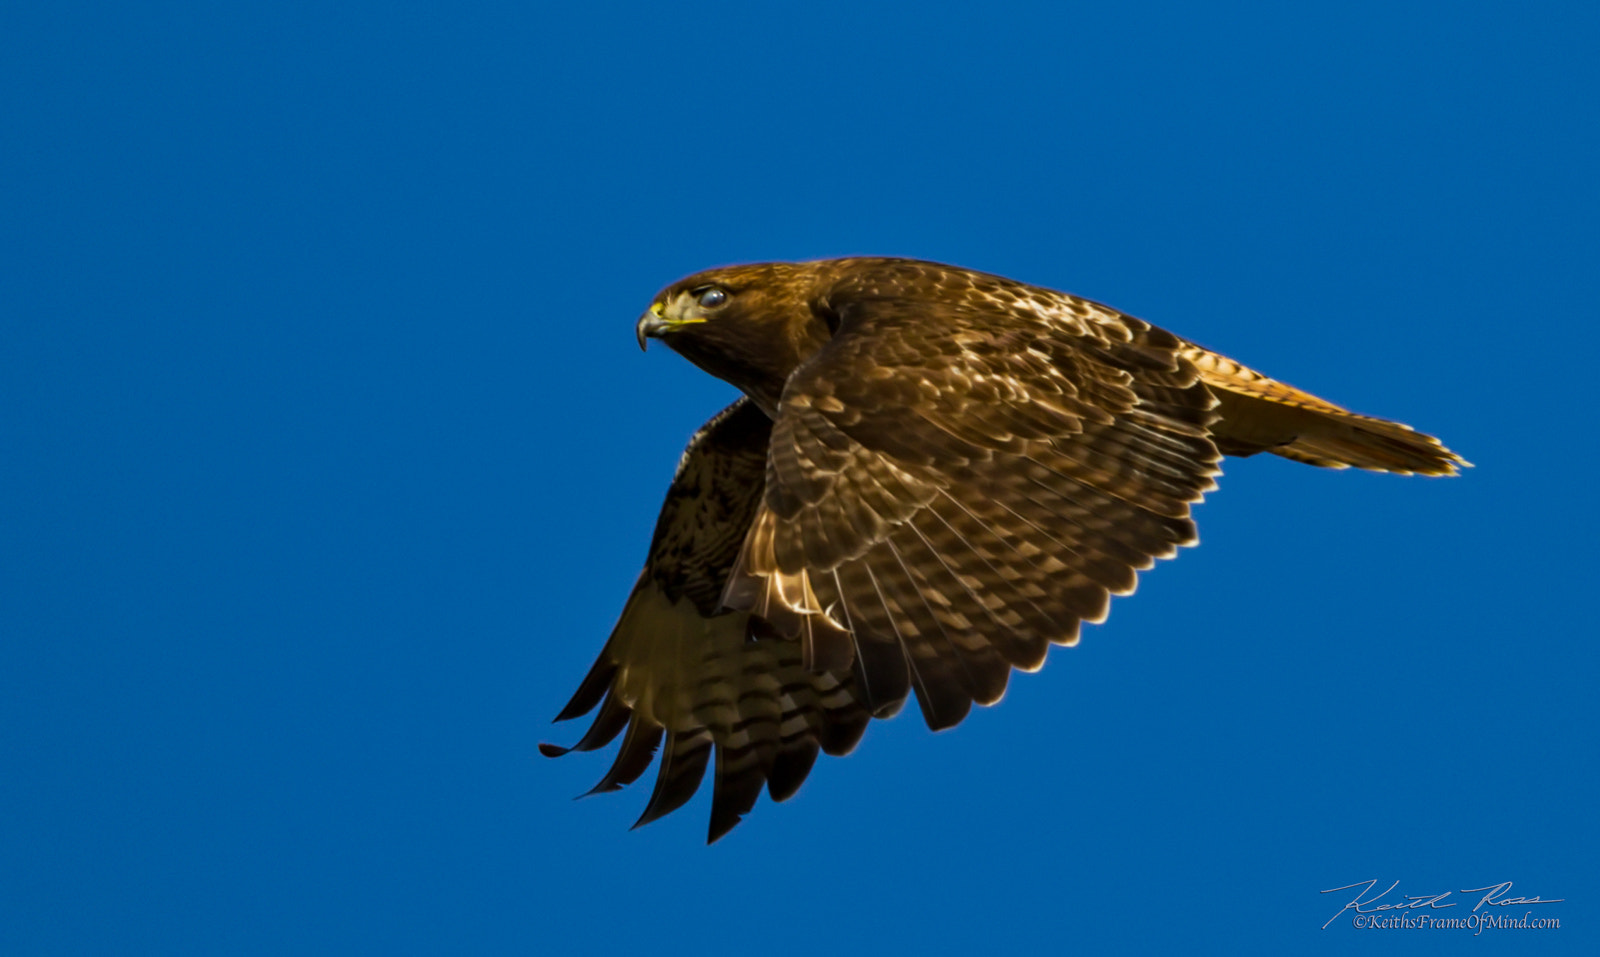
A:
x,y
327,459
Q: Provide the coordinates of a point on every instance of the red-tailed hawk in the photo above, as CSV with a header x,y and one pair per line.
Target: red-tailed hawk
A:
x,y
934,475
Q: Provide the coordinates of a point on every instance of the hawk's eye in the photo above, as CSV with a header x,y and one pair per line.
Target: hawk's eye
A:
x,y
711,296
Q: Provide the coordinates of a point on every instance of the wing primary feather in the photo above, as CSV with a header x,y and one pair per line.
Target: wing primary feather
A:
x,y
938,708
1039,624
746,751
797,741
591,689
1056,621
638,746
683,765
1115,577
984,672
880,669
1070,596
613,717
733,794
1138,524
791,769
842,730
1084,519
1019,646
947,670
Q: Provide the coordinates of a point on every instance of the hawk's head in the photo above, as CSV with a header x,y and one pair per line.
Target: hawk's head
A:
x,y
749,325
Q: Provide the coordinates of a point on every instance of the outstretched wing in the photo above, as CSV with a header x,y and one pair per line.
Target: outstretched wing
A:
x,y
678,673
963,474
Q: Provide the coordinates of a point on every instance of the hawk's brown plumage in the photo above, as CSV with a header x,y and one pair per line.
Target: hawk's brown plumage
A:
x,y
936,474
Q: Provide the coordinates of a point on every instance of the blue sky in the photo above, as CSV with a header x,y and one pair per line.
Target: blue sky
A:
x,y
327,459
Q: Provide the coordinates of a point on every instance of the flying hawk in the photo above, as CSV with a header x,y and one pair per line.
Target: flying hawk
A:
x,y
934,474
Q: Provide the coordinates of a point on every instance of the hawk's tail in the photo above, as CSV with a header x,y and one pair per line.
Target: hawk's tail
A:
x,y
1258,414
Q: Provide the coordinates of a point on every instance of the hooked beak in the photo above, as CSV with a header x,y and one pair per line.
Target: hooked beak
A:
x,y
650,326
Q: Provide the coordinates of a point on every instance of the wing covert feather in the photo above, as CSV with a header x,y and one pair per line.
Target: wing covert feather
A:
x,y
979,472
